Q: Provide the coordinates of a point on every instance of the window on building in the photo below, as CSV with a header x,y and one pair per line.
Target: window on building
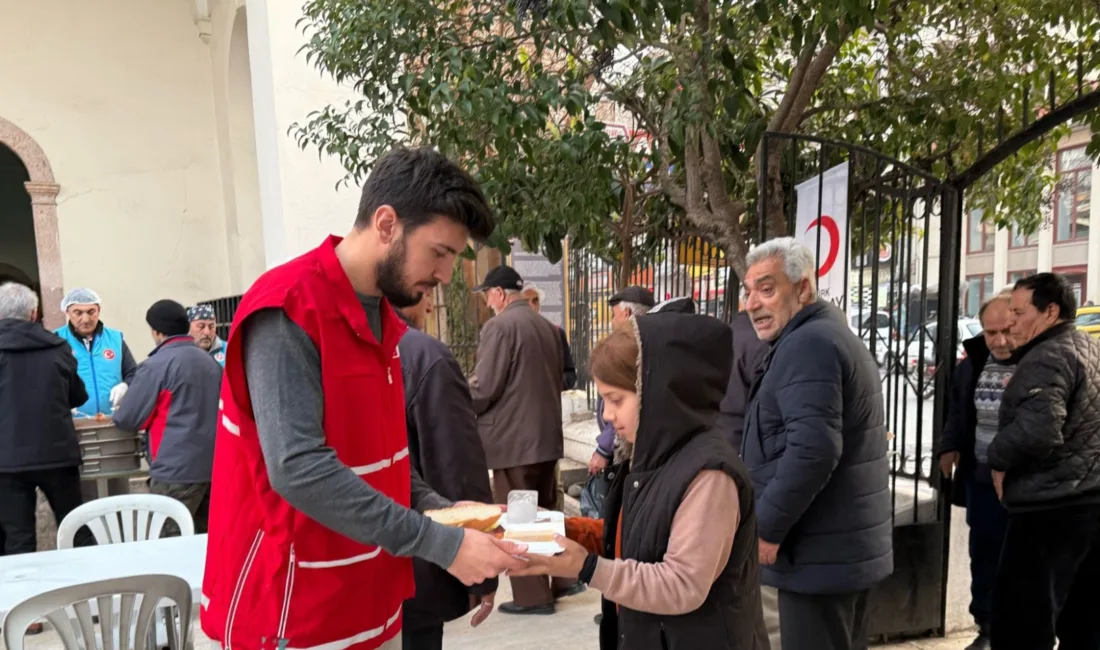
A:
x,y
1016,276
1072,195
978,288
981,238
1020,240
1076,277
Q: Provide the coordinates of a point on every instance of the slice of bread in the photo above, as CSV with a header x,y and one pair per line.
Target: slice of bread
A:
x,y
481,516
529,535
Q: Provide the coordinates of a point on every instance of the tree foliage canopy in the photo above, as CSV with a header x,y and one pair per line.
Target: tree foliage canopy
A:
x,y
515,89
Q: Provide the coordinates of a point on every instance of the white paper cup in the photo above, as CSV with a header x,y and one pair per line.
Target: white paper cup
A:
x,y
523,506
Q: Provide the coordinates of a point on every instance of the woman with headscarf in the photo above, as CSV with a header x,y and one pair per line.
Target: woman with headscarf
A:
x,y
675,554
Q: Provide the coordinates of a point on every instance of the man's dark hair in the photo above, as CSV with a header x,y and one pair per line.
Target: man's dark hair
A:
x,y
1048,289
420,185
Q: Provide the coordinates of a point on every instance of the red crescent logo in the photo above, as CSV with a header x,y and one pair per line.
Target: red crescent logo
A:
x,y
828,224
109,354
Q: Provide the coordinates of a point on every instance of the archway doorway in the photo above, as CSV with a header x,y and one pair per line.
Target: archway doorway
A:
x,y
32,243
18,248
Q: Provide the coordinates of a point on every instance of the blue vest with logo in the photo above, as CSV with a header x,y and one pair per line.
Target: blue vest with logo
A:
x,y
100,368
218,351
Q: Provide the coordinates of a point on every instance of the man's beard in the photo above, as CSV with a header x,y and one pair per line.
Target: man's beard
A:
x,y
391,279
205,343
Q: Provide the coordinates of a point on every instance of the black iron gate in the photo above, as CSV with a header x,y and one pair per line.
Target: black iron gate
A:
x,y
887,246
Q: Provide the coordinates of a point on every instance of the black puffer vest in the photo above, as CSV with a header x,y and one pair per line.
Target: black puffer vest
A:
x,y
684,370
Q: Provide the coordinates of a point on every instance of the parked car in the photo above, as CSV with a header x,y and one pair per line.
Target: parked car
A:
x,y
966,328
1088,320
881,323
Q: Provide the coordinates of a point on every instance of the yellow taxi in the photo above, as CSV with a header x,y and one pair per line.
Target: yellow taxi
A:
x,y
1088,320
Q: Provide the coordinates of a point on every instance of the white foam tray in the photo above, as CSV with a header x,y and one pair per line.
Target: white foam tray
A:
x,y
547,520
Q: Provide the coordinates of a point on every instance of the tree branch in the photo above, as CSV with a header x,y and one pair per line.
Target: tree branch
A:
x,y
728,210
810,82
696,203
799,72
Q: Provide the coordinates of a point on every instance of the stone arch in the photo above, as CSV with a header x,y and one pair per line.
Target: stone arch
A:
x,y
43,189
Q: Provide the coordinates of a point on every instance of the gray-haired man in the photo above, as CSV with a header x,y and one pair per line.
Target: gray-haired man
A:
x,y
39,448
815,437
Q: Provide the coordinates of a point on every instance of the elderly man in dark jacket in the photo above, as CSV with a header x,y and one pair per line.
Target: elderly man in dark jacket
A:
x,y
815,441
39,448
972,412
1046,461
445,449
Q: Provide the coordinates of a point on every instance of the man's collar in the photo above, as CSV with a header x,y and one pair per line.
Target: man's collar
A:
x,y
517,303
1046,335
805,314
97,332
172,340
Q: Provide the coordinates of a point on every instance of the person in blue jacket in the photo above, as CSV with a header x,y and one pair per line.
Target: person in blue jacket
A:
x,y
103,360
204,329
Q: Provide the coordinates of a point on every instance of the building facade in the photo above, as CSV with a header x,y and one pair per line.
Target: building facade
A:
x,y
145,153
996,257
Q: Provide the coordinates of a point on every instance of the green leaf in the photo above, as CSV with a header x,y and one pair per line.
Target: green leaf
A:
x,y
728,59
761,11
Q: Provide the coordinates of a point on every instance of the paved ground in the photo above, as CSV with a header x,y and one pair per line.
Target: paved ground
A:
x,y
571,628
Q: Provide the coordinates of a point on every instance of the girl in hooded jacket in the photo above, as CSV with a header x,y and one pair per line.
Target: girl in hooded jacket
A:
x,y
675,554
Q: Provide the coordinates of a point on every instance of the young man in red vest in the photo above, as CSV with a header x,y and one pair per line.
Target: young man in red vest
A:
x,y
313,514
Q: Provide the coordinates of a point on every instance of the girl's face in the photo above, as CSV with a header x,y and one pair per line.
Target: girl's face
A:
x,y
620,410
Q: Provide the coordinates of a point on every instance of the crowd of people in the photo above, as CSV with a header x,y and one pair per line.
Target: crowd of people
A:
x,y
85,372
1022,441
748,502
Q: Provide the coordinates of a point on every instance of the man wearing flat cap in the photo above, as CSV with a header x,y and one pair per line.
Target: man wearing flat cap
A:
x,y
516,388
204,329
174,400
631,301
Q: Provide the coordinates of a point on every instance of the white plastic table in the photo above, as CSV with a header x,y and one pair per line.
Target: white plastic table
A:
x,y
23,576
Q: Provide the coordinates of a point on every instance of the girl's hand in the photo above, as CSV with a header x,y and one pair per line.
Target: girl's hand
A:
x,y
567,564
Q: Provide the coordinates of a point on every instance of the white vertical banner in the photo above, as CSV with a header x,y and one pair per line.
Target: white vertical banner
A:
x,y
829,226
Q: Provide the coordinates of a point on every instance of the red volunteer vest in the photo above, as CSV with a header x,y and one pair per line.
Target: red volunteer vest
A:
x,y
275,579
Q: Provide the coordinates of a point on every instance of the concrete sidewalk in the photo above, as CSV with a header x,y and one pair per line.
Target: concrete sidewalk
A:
x,y
572,628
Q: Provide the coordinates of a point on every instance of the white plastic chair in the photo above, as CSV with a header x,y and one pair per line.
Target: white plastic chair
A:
x,y
125,518
127,629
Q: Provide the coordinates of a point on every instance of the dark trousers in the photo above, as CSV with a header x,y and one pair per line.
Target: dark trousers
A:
x,y
422,638
19,502
196,496
823,622
988,520
543,478
1049,581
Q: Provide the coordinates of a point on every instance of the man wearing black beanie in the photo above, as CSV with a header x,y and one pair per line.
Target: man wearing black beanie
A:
x,y
174,400
168,318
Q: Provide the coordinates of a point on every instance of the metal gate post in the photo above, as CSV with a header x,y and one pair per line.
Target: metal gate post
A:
x,y
947,316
